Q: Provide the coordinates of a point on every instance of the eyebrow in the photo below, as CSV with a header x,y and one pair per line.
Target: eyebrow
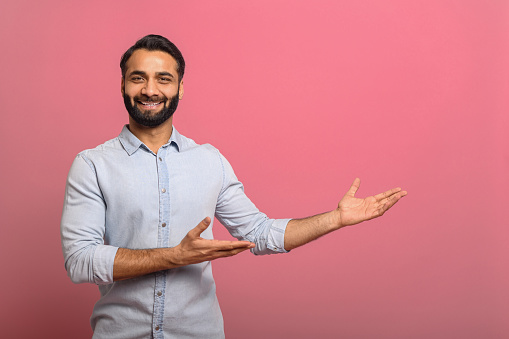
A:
x,y
137,73
165,74
157,73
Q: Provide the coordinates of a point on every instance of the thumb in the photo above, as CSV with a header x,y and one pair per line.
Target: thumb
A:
x,y
202,226
355,186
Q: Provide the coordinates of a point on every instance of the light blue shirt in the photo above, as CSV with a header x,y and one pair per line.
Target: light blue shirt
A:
x,y
121,194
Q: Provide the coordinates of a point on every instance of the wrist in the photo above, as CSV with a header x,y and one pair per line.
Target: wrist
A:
x,y
172,258
336,219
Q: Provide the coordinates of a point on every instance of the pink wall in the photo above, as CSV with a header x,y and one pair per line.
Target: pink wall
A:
x,y
301,97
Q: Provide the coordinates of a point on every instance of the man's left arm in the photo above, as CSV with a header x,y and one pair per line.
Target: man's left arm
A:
x,y
350,211
245,222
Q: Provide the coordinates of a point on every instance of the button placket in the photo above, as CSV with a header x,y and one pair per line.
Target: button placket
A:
x,y
162,241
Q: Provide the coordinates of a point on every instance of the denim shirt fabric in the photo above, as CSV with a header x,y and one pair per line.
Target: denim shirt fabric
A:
x,y
121,194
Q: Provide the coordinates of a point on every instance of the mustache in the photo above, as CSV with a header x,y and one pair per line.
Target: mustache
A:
x,y
145,98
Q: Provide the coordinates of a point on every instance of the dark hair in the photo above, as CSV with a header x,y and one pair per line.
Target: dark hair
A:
x,y
153,42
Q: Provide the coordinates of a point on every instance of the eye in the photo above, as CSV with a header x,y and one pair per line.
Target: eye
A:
x,y
165,79
136,78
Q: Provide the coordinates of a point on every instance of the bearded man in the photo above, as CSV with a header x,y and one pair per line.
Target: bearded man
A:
x,y
137,217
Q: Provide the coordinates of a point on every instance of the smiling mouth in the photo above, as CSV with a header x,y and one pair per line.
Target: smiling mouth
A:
x,y
150,104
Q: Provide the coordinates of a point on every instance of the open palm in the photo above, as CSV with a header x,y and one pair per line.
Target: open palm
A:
x,y
355,210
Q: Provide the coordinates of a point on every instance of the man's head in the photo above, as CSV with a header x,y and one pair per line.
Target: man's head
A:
x,y
153,42
152,72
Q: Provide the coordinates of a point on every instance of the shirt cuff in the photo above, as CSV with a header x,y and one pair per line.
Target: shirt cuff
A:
x,y
104,257
276,236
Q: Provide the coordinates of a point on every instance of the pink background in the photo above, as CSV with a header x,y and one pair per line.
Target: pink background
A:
x,y
301,97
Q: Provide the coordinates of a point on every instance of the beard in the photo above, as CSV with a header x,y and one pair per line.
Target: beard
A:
x,y
145,118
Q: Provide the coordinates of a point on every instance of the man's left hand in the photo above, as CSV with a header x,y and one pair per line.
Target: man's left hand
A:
x,y
354,210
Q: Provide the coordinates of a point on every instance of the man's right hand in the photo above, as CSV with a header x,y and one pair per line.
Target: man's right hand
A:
x,y
194,249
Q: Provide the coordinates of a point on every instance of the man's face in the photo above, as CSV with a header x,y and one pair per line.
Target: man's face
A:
x,y
150,88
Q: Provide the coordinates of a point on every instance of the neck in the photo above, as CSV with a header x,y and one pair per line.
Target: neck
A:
x,y
152,137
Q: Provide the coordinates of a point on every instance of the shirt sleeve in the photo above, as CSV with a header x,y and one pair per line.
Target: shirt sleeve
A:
x,y
243,220
82,227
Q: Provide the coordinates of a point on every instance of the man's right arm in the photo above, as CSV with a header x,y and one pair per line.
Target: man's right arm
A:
x,y
82,228
88,259
193,249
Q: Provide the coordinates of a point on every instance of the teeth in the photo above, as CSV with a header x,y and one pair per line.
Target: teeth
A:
x,y
150,103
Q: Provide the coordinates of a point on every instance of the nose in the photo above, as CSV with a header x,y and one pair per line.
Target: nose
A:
x,y
150,88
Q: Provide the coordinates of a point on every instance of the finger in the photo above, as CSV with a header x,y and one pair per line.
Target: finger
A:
x,y
355,186
202,226
397,196
225,245
231,253
387,194
392,200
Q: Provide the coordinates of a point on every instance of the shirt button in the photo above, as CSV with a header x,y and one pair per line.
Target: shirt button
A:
x,y
163,190
159,293
164,224
157,328
160,159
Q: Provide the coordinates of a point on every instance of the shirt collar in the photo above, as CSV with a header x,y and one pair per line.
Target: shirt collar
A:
x,y
176,139
131,143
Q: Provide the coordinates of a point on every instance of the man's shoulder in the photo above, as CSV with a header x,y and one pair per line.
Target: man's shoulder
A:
x,y
104,149
189,144
206,154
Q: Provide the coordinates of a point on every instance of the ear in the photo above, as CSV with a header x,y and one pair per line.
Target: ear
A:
x,y
181,89
122,86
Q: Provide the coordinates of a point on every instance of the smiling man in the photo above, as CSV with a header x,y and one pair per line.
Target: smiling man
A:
x,y
138,208
151,103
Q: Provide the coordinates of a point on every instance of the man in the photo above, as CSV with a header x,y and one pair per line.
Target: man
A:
x,y
131,205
